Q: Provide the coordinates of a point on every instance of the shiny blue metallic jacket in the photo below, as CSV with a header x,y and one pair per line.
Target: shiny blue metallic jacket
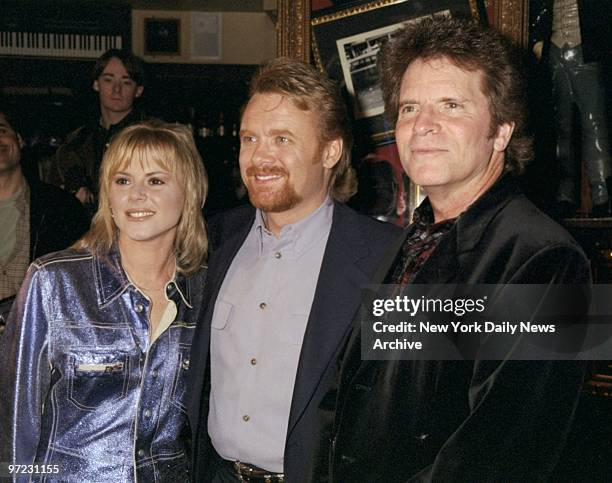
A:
x,y
80,385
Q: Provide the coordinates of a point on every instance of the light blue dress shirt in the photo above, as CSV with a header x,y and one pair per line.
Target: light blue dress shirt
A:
x,y
258,325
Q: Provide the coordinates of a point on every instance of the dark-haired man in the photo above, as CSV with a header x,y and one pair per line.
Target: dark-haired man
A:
x,y
36,218
283,285
455,96
118,78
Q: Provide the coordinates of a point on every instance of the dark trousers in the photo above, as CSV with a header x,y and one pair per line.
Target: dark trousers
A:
x,y
218,472
579,85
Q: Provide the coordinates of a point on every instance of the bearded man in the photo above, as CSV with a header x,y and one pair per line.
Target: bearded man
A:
x,y
284,282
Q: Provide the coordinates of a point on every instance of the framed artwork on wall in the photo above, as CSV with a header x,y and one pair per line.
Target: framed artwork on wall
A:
x,y
346,43
162,36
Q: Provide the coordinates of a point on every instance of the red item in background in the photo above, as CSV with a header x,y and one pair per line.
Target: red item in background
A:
x,y
319,4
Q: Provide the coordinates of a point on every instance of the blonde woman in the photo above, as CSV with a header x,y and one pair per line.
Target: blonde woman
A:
x,y
96,350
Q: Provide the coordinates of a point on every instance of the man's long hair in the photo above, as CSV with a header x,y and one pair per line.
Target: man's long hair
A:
x,y
472,48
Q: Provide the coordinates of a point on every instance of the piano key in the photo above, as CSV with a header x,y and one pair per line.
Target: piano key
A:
x,y
57,44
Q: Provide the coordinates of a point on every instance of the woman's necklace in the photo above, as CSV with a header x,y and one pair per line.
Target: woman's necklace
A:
x,y
171,266
145,289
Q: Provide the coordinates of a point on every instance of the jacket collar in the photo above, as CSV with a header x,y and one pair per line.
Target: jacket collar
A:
x,y
444,263
472,223
111,279
133,116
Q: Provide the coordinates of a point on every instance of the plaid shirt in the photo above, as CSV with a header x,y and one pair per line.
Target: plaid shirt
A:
x,y
420,243
13,272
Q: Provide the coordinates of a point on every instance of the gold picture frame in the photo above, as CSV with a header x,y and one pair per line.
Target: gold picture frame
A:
x,y
293,24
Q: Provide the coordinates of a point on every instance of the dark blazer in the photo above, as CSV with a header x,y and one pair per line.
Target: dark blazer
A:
x,y
353,252
77,161
476,420
57,219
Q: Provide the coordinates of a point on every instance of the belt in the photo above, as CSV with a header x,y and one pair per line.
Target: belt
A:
x,y
250,473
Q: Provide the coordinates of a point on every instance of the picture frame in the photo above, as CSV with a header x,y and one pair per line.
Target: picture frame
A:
x,y
162,36
346,42
206,29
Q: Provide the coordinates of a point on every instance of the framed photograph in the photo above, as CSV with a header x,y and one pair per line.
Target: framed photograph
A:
x,y
162,36
206,35
346,43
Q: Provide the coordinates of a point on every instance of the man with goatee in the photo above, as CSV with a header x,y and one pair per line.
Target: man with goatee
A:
x,y
284,282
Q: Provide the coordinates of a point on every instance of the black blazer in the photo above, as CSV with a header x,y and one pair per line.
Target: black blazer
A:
x,y
476,420
353,252
57,219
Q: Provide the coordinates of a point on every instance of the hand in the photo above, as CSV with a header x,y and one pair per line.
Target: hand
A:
x,y
537,49
84,195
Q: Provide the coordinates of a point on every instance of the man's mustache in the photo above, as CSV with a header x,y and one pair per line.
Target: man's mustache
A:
x,y
266,171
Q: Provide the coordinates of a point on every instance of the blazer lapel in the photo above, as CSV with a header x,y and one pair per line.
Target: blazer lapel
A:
x,y
352,358
337,295
440,268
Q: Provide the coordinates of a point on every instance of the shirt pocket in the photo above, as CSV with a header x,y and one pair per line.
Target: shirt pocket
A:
x,y
222,315
290,330
179,381
97,377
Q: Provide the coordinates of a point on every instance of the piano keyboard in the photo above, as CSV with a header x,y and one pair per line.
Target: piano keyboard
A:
x,y
57,45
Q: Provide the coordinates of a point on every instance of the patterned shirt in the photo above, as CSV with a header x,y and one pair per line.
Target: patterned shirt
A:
x,y
14,270
420,243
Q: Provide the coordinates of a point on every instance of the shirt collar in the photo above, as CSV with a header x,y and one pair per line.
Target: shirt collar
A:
x,y
112,281
472,223
423,214
423,217
296,237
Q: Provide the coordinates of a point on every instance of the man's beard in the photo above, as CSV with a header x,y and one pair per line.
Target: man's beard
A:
x,y
275,200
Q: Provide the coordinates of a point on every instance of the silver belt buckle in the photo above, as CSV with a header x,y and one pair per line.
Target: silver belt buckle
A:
x,y
241,468
568,53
